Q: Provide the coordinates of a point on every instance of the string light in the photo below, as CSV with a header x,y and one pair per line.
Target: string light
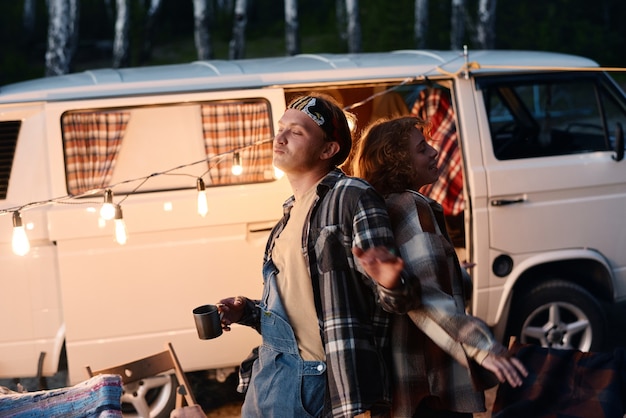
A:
x,y
20,243
107,211
120,226
237,169
110,210
203,205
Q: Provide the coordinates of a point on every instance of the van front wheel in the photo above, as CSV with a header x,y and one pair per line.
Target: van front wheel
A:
x,y
560,315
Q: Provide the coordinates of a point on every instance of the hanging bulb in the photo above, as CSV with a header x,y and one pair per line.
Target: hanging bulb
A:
x,y
107,211
21,246
120,226
237,169
203,205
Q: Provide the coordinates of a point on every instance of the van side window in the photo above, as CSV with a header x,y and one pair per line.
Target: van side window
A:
x,y
244,128
92,141
548,116
8,138
167,146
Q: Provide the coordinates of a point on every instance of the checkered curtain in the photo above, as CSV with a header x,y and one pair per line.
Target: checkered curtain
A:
x,y
92,141
434,106
229,127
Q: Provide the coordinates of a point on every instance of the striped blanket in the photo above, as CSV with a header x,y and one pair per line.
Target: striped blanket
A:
x,y
98,397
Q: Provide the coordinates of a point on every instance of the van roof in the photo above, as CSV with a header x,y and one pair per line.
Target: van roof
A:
x,y
264,72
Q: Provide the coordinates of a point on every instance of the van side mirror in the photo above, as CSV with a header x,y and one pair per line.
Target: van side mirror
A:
x,y
619,143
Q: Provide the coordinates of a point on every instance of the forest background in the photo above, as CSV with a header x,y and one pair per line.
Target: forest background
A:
x,y
593,29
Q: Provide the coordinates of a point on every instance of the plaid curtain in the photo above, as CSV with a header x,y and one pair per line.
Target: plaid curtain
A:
x,y
91,141
434,106
230,127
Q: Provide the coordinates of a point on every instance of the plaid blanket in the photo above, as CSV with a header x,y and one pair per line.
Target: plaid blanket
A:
x,y
565,384
98,397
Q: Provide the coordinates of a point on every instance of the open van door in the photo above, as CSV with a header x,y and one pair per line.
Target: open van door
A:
x,y
556,200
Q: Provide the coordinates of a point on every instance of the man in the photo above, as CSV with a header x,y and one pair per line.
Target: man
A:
x,y
329,270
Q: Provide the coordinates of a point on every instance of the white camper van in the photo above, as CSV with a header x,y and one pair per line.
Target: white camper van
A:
x,y
533,184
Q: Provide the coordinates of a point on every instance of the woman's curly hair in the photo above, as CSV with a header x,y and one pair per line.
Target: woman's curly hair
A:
x,y
382,157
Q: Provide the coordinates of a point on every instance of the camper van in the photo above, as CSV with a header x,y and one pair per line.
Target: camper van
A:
x,y
533,185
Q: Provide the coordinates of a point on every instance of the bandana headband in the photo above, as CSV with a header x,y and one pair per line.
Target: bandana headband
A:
x,y
306,104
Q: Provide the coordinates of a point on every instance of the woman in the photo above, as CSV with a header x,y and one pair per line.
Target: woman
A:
x,y
438,349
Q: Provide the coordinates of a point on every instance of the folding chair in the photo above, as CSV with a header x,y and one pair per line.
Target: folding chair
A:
x,y
143,372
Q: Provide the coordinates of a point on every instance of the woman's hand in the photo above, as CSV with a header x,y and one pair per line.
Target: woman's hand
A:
x,y
506,369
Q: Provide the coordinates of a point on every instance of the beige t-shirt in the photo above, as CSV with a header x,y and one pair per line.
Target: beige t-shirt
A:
x,y
294,280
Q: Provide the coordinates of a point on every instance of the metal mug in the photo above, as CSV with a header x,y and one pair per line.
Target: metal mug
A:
x,y
208,322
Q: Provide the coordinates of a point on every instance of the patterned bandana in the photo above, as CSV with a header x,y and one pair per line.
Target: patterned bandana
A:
x,y
307,104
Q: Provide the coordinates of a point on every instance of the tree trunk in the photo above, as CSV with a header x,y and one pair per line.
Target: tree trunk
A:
x,y
354,26
421,23
292,27
28,18
202,28
62,35
486,31
148,31
237,45
340,18
457,24
121,42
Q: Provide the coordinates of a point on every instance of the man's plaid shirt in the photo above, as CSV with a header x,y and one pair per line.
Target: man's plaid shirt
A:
x,y
353,310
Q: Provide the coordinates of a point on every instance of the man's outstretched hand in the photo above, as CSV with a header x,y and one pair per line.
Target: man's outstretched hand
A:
x,y
380,264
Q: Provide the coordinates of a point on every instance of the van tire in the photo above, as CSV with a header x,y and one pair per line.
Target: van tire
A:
x,y
157,393
561,315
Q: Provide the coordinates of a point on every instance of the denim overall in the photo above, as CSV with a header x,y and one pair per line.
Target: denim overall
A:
x,y
282,384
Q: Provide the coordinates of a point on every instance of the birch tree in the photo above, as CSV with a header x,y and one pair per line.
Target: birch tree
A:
x,y
354,26
202,28
121,42
421,23
292,27
238,42
149,26
457,24
486,28
62,35
28,18
340,19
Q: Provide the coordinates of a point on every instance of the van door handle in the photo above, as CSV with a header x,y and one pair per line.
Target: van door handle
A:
x,y
504,202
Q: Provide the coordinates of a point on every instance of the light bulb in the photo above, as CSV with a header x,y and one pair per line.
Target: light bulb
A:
x,y
237,169
20,243
203,205
107,211
120,226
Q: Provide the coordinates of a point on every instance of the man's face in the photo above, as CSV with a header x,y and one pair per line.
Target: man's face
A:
x,y
299,143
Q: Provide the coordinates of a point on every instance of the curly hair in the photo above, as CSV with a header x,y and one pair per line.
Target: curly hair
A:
x,y
382,156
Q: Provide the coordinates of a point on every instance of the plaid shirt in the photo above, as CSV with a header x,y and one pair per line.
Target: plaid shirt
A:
x,y
351,307
437,347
